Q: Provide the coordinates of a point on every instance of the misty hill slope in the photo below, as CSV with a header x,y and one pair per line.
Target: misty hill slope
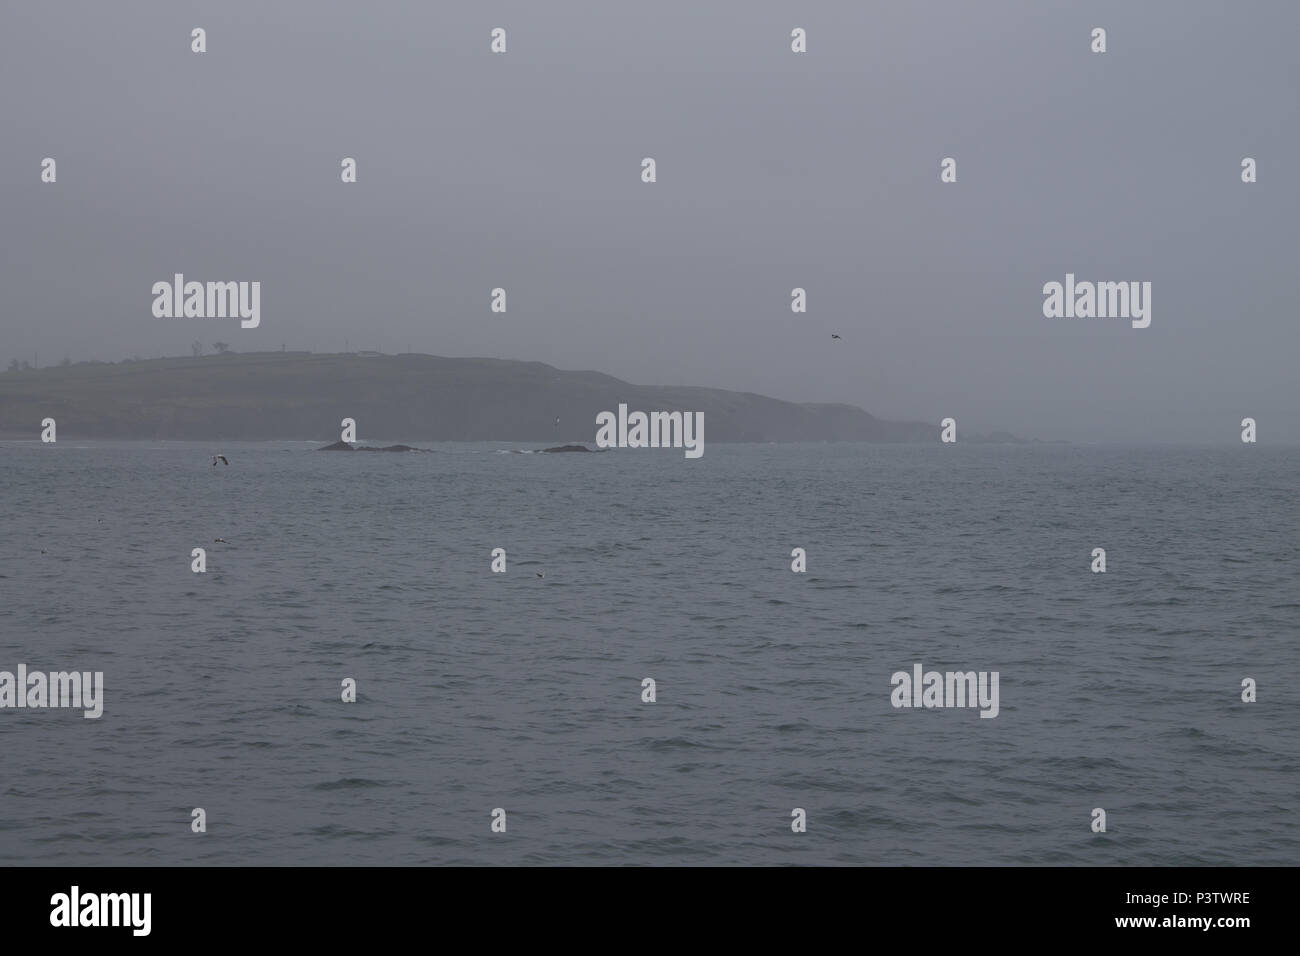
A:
x,y
281,395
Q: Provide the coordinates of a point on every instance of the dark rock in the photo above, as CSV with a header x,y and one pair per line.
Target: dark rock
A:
x,y
344,446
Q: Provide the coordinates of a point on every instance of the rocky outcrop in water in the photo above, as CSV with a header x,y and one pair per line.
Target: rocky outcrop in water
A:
x,y
347,446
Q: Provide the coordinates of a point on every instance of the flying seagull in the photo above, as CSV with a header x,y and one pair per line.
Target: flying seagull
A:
x,y
834,336
220,541
221,457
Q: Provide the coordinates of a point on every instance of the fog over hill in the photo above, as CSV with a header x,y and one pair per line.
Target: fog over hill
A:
x,y
300,395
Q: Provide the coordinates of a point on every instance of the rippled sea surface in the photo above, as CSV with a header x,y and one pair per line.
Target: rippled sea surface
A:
x,y
479,690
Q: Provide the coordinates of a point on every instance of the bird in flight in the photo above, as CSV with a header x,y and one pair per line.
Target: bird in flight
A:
x,y
222,458
220,541
540,574
834,336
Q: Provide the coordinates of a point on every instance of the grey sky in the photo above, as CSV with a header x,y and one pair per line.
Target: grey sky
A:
x,y
775,170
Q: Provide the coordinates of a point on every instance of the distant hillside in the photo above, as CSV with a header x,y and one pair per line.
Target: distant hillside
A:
x,y
299,395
